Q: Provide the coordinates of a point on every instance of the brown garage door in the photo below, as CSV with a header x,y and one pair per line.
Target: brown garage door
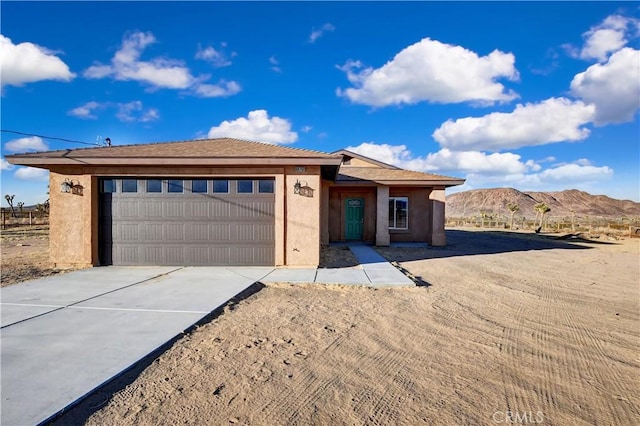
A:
x,y
187,221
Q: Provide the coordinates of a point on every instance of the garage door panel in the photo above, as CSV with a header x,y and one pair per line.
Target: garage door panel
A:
x,y
128,209
153,232
174,232
152,209
174,208
255,210
187,229
128,232
153,255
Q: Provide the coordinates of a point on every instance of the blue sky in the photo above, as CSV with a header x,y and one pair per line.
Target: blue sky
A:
x,y
536,96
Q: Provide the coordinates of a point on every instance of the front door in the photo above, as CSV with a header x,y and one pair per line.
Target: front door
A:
x,y
354,215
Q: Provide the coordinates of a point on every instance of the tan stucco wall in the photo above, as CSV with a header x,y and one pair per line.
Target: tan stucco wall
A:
x,y
437,203
383,238
356,162
419,214
303,217
73,226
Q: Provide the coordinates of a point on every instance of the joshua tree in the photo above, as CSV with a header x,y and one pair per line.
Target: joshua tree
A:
x,y
513,208
542,209
9,199
20,205
485,215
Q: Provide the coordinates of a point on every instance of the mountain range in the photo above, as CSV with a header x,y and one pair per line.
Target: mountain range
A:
x,y
495,200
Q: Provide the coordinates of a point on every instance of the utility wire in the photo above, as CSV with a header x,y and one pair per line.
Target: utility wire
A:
x,y
47,137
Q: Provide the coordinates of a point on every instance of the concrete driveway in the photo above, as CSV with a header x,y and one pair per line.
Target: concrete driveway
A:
x,y
63,336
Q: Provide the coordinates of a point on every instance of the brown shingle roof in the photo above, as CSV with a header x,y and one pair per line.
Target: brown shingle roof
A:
x,y
381,175
203,152
224,147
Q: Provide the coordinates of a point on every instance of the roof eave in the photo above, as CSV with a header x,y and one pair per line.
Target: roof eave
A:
x,y
43,162
444,183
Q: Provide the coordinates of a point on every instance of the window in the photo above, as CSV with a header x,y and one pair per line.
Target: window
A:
x,y
398,213
174,185
129,185
245,187
265,186
154,185
199,186
221,186
108,186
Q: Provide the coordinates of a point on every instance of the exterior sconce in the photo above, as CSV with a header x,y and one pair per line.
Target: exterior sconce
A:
x,y
303,189
66,186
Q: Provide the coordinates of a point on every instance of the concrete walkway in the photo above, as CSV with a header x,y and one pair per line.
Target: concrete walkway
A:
x,y
63,336
373,271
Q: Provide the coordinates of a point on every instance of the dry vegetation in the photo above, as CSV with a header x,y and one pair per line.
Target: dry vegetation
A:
x,y
528,325
25,254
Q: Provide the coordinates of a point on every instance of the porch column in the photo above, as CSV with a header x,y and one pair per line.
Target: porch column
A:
x,y
437,204
382,216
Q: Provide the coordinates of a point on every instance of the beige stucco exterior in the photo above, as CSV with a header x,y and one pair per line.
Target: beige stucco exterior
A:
x,y
74,216
437,204
302,221
73,238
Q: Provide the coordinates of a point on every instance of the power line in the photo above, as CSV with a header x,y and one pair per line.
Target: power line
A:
x,y
47,137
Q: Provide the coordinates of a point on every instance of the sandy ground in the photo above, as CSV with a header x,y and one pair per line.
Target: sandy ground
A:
x,y
25,254
505,329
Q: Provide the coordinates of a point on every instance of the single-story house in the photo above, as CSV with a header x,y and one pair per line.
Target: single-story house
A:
x,y
229,202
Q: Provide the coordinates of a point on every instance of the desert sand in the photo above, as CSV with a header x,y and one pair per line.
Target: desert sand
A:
x,y
504,329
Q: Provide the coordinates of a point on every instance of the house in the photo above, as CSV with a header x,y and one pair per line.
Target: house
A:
x,y
228,202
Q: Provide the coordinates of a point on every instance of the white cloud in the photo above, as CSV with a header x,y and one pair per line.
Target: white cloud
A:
x,y
447,161
86,110
257,126
613,87
161,72
574,173
31,143
306,129
607,37
483,170
556,178
218,58
316,34
5,165
31,173
553,120
222,89
126,65
134,111
432,71
275,64
27,63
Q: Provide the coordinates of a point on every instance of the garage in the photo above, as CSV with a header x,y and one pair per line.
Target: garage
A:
x,y
194,222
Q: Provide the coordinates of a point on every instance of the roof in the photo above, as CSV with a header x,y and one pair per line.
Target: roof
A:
x,y
228,151
202,151
352,154
393,176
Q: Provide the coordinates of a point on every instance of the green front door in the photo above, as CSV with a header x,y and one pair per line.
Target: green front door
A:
x,y
354,215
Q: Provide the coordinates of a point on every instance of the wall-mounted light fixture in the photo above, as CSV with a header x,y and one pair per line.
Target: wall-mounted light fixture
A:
x,y
298,186
68,186
302,188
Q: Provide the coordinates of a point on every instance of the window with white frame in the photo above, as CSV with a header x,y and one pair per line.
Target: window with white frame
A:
x,y
398,213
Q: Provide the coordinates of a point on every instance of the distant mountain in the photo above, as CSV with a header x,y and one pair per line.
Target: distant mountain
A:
x,y
472,203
